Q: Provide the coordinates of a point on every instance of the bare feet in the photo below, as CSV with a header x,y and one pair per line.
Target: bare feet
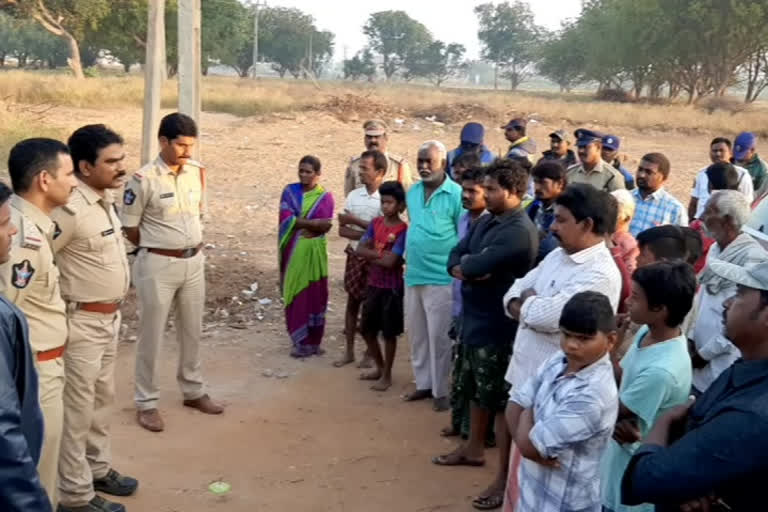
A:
x,y
370,375
382,384
366,362
344,361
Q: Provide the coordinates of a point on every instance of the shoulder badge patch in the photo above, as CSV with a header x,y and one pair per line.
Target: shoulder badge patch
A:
x,y
129,196
56,230
32,242
22,274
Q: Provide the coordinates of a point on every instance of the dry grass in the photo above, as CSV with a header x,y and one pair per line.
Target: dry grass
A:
x,y
250,98
17,123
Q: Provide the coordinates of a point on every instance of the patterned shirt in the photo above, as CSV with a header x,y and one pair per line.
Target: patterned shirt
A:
x,y
656,209
574,417
558,277
386,239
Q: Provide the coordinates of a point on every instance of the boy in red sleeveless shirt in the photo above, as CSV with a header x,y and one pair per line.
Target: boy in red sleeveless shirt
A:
x,y
383,245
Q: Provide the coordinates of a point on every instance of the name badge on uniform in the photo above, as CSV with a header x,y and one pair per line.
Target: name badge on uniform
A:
x,y
108,232
129,196
166,195
22,274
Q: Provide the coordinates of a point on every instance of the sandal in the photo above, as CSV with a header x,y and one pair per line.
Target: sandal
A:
x,y
461,460
488,502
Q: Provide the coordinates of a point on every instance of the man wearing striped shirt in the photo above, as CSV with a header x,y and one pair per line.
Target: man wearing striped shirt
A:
x,y
583,216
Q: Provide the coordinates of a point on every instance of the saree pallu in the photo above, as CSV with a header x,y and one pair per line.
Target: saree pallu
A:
x,y
303,262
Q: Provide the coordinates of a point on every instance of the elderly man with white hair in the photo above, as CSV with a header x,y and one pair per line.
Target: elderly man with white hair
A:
x,y
726,212
434,208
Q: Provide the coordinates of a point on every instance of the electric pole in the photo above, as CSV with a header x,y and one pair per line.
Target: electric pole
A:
x,y
153,79
190,72
256,7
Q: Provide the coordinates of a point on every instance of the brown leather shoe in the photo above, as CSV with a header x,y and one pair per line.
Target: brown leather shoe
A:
x,y
150,419
205,405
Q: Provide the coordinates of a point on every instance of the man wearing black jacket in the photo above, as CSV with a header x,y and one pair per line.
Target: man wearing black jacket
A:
x,y
498,249
21,421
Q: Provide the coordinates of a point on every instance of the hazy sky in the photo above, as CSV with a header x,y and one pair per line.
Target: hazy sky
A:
x,y
448,21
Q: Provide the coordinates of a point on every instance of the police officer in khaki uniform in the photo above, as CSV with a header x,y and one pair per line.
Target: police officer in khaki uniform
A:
x,y
43,179
161,213
90,252
376,139
592,169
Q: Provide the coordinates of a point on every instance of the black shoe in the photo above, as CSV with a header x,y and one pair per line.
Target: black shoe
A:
x,y
97,504
116,484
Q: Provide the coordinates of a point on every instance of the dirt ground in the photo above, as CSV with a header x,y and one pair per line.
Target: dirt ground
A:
x,y
296,435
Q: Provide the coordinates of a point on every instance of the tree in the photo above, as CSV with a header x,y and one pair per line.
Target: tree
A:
x,y
361,65
289,39
123,32
394,35
756,71
561,59
67,19
437,62
509,38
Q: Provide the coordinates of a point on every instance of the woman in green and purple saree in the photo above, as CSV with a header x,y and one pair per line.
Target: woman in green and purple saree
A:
x,y
306,210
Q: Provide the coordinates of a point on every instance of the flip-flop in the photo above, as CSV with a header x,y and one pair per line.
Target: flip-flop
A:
x,y
419,394
461,460
488,502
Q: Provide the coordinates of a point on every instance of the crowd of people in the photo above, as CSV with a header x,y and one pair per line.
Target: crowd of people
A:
x,y
565,310
561,308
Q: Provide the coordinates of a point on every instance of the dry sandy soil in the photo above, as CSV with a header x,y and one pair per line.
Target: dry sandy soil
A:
x,y
296,435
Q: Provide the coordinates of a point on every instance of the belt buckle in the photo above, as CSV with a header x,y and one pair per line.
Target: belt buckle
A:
x,y
188,253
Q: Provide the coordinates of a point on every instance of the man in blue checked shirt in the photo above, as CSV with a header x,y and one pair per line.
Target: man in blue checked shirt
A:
x,y
654,206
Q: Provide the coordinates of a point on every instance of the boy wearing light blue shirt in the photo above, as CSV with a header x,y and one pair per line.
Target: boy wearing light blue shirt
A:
x,y
655,374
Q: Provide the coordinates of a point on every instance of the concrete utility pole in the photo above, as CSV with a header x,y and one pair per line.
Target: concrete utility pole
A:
x,y
190,72
153,79
256,8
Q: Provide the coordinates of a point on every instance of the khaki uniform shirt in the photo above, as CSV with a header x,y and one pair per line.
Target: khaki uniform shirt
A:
x,y
31,279
166,206
398,170
603,177
89,246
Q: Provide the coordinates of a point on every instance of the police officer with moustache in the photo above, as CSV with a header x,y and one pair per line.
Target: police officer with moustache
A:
x,y
376,138
21,420
161,214
43,179
94,280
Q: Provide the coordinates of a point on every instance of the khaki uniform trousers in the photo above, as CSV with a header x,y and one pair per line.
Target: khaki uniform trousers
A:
x,y
89,396
50,390
162,282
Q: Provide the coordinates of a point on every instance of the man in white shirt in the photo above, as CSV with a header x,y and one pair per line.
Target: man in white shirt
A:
x,y
362,206
584,216
719,151
711,352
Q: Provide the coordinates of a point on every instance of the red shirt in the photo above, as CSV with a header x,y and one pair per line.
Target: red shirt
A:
x,y
386,239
